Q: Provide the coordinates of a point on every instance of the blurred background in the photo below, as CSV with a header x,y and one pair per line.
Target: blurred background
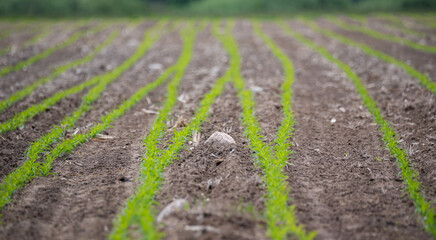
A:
x,y
131,8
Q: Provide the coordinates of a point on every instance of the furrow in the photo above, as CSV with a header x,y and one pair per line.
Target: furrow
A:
x,y
382,36
396,23
139,208
280,216
20,118
27,171
35,37
282,144
71,40
47,30
424,79
56,73
409,175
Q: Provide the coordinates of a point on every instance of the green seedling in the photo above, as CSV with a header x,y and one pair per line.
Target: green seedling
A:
x,y
281,219
424,79
55,73
382,36
139,210
33,168
38,57
409,175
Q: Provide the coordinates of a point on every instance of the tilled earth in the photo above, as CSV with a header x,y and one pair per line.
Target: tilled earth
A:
x,y
344,183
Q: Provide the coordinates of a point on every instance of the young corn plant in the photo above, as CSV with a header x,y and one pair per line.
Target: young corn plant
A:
x,y
22,117
282,141
424,79
31,168
382,36
139,208
55,73
12,29
44,32
409,175
393,22
426,21
36,38
71,40
281,220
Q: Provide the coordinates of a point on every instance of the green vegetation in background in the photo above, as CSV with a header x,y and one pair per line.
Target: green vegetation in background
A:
x,y
139,210
424,79
71,40
55,73
382,36
281,218
409,175
62,8
33,168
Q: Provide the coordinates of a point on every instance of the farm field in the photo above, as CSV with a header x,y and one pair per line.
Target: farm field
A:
x,y
328,128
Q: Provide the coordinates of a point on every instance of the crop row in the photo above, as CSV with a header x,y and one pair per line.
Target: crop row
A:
x,y
393,22
424,79
139,208
32,167
46,53
382,36
139,212
281,218
22,117
410,175
56,72
43,32
12,29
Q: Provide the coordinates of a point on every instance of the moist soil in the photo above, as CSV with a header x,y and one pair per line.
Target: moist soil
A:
x,y
16,39
264,75
424,62
384,27
219,183
344,183
92,183
16,142
419,26
61,32
15,81
409,106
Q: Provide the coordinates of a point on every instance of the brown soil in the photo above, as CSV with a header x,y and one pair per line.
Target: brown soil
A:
x,y
383,26
15,81
376,191
61,33
344,183
164,52
218,182
17,38
100,172
264,75
409,106
12,154
421,60
419,26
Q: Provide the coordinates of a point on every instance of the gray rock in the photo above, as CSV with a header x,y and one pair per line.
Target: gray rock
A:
x,y
176,205
220,139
